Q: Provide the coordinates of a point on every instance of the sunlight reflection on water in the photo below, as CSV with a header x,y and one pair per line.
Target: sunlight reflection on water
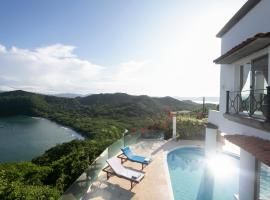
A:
x,y
214,178
221,166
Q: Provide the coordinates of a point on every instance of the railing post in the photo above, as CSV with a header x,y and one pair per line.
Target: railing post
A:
x,y
268,104
227,101
251,102
237,102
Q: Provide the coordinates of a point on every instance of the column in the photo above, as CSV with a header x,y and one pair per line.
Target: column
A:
x,y
210,140
174,124
247,176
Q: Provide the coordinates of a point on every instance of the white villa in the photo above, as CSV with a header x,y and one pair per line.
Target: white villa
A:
x,y
244,112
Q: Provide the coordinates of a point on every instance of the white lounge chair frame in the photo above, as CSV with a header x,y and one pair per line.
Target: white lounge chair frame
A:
x,y
116,168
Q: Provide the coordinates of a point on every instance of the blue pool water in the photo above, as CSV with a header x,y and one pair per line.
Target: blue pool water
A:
x,y
195,178
265,182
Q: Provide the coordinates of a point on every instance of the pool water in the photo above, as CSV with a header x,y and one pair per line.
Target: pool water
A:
x,y
193,177
265,182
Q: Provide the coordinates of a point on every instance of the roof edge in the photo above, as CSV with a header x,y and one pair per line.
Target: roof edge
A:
x,y
238,16
242,45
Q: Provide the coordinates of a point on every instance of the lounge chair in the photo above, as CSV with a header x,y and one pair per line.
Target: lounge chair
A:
x,y
128,155
116,168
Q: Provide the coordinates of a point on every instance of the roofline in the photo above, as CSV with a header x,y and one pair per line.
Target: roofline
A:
x,y
246,44
238,16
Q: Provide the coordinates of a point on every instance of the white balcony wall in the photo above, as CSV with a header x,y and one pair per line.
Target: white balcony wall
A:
x,y
210,142
214,117
229,127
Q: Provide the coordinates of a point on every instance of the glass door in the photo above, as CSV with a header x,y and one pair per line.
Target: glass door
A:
x,y
260,73
245,83
259,82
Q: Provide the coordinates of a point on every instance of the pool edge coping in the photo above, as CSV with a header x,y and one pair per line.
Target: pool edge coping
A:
x,y
167,174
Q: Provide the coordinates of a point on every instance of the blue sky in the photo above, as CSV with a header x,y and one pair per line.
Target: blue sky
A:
x,y
93,46
98,28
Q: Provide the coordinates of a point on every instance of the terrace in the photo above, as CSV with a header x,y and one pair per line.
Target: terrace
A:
x,y
93,184
156,184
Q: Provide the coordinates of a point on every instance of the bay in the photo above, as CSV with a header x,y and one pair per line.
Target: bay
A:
x,y
23,138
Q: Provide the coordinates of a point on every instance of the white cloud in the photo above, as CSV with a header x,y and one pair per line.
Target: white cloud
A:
x,y
2,49
58,50
56,69
49,69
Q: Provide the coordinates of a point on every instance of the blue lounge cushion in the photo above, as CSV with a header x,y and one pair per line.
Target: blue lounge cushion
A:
x,y
135,158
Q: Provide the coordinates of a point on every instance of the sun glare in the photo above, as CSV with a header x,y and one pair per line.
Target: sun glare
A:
x,y
221,166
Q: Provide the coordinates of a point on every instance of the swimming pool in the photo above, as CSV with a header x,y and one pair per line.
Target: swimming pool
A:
x,y
195,178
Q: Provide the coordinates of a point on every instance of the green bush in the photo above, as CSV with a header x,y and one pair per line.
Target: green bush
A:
x,y
190,128
25,181
18,191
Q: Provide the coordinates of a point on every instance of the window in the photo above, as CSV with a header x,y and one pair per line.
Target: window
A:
x,y
260,73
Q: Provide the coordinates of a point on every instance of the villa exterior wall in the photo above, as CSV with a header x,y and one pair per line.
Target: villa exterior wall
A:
x,y
257,20
227,82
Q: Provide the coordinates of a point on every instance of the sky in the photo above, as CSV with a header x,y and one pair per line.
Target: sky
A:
x,y
140,47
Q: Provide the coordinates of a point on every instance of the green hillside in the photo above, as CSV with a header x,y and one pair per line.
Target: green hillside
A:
x,y
115,106
93,115
102,118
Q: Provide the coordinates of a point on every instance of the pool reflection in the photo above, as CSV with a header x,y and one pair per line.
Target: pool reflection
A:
x,y
186,160
206,188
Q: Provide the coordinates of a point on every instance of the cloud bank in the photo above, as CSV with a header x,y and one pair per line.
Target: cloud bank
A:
x,y
47,69
57,69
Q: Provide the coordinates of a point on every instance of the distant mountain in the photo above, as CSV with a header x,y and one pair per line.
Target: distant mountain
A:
x,y
111,105
142,102
214,100
68,95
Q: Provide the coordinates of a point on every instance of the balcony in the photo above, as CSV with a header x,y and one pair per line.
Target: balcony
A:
x,y
249,107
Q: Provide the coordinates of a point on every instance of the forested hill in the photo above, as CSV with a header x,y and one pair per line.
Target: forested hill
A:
x,y
21,102
104,115
142,102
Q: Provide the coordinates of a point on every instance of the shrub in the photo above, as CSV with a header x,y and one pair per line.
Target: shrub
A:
x,y
190,128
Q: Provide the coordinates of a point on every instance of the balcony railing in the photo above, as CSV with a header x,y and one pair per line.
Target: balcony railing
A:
x,y
253,103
